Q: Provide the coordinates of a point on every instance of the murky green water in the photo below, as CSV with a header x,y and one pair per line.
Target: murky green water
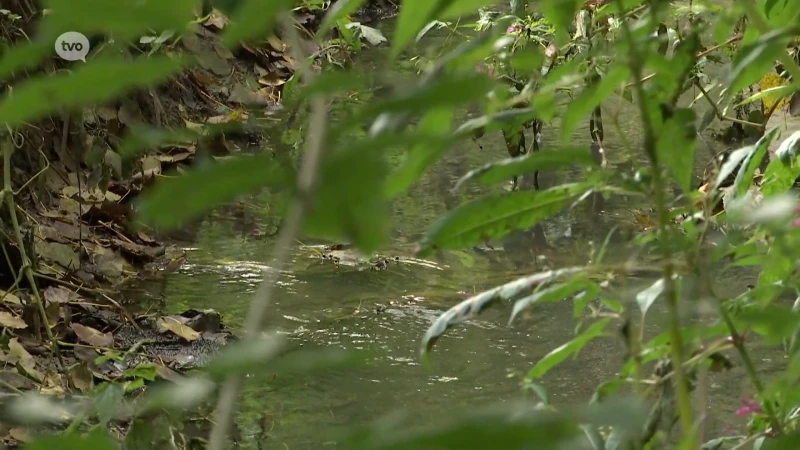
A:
x,y
388,311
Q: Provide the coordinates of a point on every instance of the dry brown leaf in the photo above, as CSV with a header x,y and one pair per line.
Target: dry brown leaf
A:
x,y
9,320
20,434
217,19
23,358
176,327
58,294
82,378
271,79
92,336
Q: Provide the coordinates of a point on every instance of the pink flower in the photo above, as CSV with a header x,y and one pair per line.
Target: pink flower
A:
x,y
749,407
514,29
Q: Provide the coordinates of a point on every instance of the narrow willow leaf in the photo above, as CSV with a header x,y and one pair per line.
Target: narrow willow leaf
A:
x,y
474,305
254,19
552,294
179,395
330,82
243,356
787,151
127,19
590,98
25,55
744,179
338,10
496,215
140,138
508,168
754,59
735,158
495,121
173,201
424,154
648,296
563,352
92,83
414,14
677,144
445,91
777,92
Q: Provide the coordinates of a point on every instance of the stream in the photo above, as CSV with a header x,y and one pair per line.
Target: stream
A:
x,y
386,312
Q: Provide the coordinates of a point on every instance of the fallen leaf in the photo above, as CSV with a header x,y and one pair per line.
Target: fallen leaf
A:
x,y
62,254
58,294
271,79
176,327
11,321
8,297
92,336
150,166
245,96
82,378
216,19
24,359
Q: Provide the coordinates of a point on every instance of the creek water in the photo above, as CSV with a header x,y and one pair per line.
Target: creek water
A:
x,y
388,311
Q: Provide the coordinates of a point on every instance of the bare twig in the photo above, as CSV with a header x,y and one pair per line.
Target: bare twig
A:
x,y
306,184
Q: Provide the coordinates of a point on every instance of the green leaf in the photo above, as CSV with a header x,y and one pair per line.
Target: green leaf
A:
x,y
424,154
563,352
774,321
338,10
787,151
552,294
445,91
779,177
751,162
127,19
496,215
414,14
677,144
246,355
92,83
350,204
107,402
561,13
173,201
590,98
328,83
474,305
98,439
254,19
757,58
788,442
508,168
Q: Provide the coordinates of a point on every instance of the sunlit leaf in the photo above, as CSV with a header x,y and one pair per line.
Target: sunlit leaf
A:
x,y
756,58
787,151
773,321
92,336
173,201
496,215
91,83
563,352
474,305
648,296
549,295
505,169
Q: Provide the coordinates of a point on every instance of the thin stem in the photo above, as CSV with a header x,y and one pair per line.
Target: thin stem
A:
x,y
750,368
684,400
8,150
306,184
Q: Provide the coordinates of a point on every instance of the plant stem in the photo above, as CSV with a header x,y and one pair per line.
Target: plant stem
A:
x,y
8,194
750,368
650,141
306,184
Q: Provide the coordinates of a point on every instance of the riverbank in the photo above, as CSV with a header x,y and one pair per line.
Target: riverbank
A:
x,y
70,185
